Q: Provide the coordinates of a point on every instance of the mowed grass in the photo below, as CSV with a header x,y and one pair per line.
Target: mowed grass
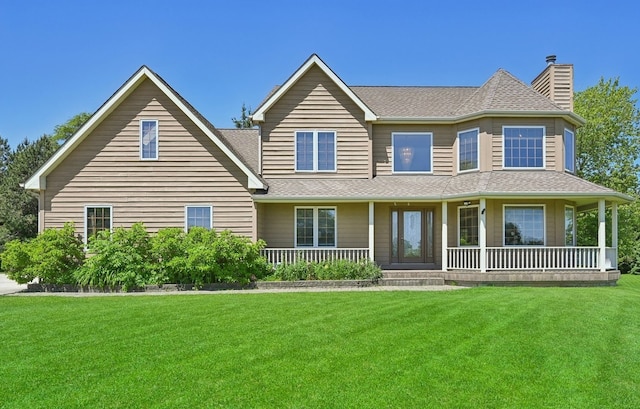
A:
x,y
476,348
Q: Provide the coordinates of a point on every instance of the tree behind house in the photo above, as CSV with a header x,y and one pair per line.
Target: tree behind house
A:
x,y
608,153
18,207
245,119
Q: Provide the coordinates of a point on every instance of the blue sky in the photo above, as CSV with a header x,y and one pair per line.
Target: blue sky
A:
x,y
60,58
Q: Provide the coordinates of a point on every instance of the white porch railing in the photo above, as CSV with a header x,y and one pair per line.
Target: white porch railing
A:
x,y
530,258
277,256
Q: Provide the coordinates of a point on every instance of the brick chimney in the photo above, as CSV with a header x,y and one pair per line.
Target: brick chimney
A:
x,y
556,83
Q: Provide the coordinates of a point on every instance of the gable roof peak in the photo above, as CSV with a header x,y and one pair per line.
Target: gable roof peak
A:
x,y
313,60
37,181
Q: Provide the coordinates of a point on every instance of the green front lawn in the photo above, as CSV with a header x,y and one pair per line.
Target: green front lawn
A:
x,y
476,348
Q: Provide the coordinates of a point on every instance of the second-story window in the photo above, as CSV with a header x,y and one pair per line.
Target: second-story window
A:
x,y
148,139
412,152
315,151
523,146
569,151
468,150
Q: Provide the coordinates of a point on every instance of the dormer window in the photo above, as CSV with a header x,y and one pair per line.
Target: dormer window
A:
x,y
412,152
148,139
523,147
315,151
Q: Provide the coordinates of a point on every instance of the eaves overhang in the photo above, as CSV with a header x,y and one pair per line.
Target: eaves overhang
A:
x,y
570,117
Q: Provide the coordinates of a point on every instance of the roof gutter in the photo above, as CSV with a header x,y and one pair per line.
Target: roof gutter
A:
x,y
571,117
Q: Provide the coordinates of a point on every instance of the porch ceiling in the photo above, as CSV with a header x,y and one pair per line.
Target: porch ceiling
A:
x,y
498,184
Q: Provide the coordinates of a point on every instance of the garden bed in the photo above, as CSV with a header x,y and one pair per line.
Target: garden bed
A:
x,y
260,285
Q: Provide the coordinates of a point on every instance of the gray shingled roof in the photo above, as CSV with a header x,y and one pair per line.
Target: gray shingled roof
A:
x,y
429,187
504,92
414,102
245,144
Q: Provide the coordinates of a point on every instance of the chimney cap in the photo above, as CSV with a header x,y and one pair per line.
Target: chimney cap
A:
x,y
551,59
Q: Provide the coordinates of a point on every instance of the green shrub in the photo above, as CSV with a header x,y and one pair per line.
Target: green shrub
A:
x,y
53,256
204,256
327,270
119,259
169,252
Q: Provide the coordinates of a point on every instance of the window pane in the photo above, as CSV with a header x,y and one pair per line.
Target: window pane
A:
x,y
326,227
569,151
394,235
149,140
199,216
304,227
98,219
523,147
304,150
412,233
468,150
326,151
569,228
468,226
411,152
524,225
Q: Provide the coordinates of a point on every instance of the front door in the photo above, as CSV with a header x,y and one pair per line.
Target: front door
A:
x,y
412,235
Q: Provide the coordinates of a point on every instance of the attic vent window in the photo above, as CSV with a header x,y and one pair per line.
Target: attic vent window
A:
x,y
149,139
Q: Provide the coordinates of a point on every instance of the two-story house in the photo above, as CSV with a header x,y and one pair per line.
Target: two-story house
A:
x,y
468,183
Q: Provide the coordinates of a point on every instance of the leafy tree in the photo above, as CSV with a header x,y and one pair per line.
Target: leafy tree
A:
x,y
607,153
608,146
61,133
245,118
18,207
5,152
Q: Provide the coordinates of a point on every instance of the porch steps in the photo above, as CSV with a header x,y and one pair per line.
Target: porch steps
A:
x,y
410,278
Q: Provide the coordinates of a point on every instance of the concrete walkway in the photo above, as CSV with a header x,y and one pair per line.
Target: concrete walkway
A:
x,y
9,286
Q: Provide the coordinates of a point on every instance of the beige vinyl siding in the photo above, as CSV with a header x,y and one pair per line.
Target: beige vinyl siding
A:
x,y
315,103
105,169
277,221
556,83
443,146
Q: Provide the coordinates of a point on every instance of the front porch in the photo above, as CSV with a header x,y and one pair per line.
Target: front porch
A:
x,y
433,243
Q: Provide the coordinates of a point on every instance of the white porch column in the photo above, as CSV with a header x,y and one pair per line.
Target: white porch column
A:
x,y
445,239
482,235
614,232
602,238
371,231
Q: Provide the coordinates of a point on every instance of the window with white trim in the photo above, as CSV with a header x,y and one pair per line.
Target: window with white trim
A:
x,y
569,226
412,152
524,225
315,151
96,219
315,226
148,139
468,222
198,216
468,152
569,151
523,147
